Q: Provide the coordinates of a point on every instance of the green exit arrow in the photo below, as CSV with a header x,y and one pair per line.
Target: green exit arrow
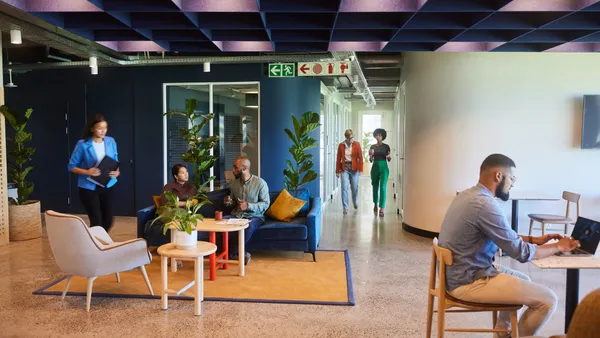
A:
x,y
274,70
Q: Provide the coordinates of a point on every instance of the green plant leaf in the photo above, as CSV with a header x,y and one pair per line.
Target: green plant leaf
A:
x,y
306,166
10,116
310,176
28,114
291,136
24,190
22,137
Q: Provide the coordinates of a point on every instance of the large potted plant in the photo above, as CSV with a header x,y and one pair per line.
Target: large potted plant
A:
x,y
198,154
301,142
182,220
24,215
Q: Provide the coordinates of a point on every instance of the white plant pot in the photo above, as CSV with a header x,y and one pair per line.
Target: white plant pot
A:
x,y
185,241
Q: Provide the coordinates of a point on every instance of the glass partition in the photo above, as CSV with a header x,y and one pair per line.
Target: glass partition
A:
x,y
236,122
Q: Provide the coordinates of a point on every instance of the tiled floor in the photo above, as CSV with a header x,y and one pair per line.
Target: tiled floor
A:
x,y
389,268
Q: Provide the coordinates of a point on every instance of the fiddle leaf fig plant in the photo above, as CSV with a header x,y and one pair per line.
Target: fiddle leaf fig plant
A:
x,y
302,141
199,145
19,154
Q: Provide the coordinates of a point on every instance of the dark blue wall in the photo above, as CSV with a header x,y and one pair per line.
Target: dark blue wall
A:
x,y
287,97
54,93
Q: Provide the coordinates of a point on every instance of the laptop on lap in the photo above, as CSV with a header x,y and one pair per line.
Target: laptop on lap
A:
x,y
587,232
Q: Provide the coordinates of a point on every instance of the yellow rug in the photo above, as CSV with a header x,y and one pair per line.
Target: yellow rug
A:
x,y
270,277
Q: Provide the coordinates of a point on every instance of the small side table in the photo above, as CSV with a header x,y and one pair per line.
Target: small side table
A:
x,y
170,251
222,260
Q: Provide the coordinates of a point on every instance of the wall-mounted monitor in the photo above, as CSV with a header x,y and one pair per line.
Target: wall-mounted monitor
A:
x,y
590,133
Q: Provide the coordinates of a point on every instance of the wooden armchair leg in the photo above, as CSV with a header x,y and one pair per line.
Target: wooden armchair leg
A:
x,y
514,324
118,277
67,287
429,315
494,319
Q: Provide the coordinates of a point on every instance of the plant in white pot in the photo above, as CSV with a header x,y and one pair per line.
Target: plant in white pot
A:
x,y
182,220
24,215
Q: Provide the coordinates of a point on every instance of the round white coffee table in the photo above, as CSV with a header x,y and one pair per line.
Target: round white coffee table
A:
x,y
197,254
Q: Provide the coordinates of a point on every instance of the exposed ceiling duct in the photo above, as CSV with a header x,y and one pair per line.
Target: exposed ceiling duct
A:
x,y
77,51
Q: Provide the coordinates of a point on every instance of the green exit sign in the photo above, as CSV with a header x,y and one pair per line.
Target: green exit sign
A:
x,y
282,69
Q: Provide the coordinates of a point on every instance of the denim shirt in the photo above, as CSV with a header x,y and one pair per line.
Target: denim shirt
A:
x,y
254,191
84,157
473,229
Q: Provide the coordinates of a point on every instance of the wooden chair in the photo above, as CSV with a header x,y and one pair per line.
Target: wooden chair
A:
x,y
544,219
443,258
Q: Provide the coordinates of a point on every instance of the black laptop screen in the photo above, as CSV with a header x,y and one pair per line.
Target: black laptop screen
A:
x,y
587,232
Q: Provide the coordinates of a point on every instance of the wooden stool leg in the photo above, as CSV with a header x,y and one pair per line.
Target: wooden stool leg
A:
x,y
514,324
163,273
530,227
199,278
430,299
212,237
566,229
494,319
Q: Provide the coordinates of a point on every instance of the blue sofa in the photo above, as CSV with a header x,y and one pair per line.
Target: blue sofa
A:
x,y
301,234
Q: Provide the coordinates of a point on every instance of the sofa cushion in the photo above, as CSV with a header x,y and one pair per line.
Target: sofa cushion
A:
x,y
275,230
156,200
285,207
303,194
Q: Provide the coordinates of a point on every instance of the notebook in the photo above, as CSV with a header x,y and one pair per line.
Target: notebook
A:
x,y
107,165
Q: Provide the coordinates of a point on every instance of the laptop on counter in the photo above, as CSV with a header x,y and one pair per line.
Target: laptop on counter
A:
x,y
587,232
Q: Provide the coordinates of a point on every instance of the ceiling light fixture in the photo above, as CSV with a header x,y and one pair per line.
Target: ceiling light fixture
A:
x,y
94,70
207,67
93,61
15,37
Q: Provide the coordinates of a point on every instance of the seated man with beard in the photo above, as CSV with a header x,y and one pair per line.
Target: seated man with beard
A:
x,y
473,229
250,199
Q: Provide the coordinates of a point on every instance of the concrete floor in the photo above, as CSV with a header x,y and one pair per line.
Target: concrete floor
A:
x,y
389,269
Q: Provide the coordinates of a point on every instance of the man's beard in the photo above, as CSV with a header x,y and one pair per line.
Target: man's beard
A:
x,y
238,175
501,194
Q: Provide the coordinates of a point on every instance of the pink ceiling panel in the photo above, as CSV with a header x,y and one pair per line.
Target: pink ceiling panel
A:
x,y
217,5
381,5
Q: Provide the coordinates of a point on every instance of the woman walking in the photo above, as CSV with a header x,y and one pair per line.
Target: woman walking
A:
x,y
379,155
89,152
349,165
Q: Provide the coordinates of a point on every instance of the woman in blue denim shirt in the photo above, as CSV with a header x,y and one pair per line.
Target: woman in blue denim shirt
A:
x,y
89,151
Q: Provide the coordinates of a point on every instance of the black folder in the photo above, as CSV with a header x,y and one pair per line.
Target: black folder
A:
x,y
107,165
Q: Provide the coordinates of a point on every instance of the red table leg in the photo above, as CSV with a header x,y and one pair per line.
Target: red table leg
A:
x,y
226,249
212,237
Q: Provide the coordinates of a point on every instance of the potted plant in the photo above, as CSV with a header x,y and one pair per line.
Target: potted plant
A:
x,y
302,141
24,215
198,154
182,220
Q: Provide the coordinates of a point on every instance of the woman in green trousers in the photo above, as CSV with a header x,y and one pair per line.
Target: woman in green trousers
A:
x,y
379,155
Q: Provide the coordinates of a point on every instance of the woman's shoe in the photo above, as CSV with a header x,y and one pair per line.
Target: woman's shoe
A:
x,y
375,210
380,212
345,212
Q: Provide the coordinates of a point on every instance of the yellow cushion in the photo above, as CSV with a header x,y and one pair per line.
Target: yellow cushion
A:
x,y
285,207
156,201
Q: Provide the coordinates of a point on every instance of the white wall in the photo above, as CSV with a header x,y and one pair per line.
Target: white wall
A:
x,y
462,107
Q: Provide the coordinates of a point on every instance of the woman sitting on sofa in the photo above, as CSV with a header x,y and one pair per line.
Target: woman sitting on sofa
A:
x,y
179,186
